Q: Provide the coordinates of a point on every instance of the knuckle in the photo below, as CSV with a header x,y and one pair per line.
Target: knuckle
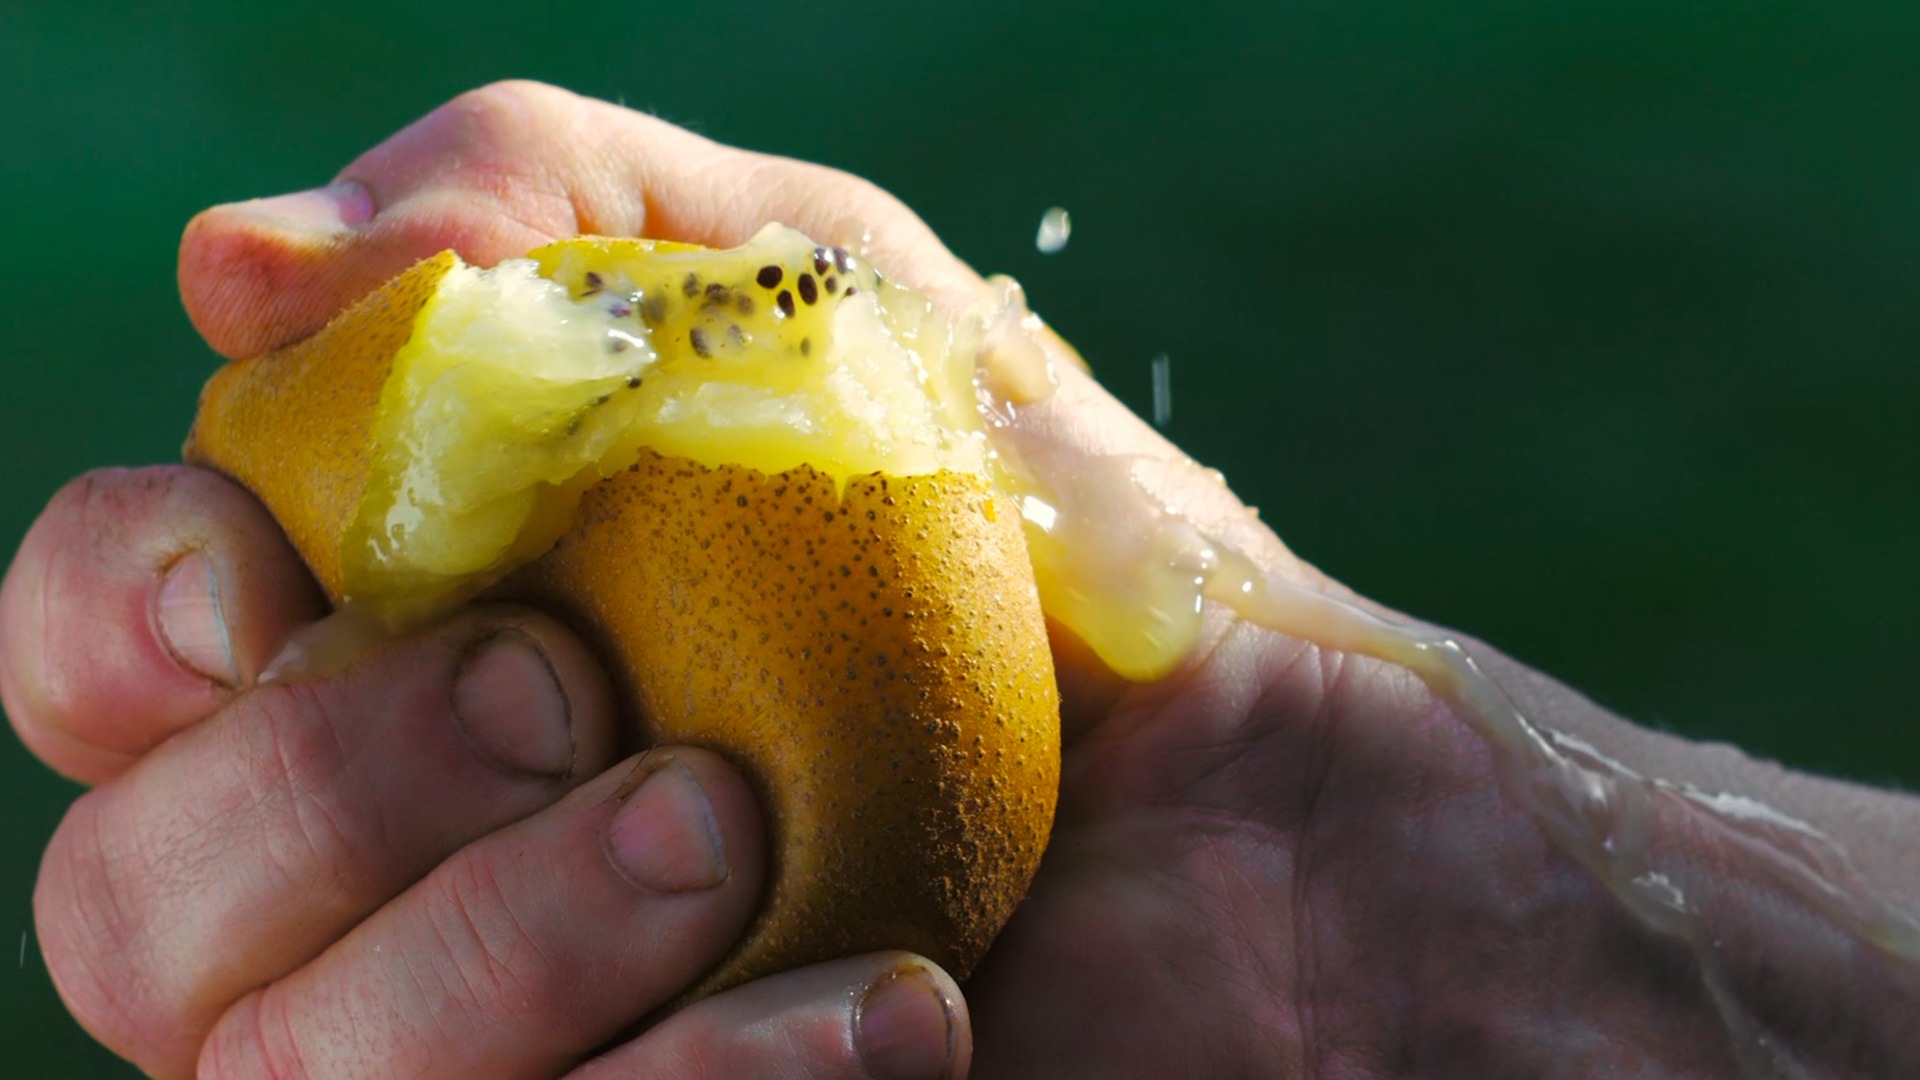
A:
x,y
495,963
505,137
503,113
97,946
530,92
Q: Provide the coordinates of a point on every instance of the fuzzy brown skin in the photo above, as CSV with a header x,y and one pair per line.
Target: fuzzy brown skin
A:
x,y
876,662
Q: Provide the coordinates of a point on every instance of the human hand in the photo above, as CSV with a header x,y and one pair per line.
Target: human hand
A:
x,y
1278,860
424,866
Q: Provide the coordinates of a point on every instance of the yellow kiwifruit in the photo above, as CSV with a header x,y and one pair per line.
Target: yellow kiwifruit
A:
x,y
756,480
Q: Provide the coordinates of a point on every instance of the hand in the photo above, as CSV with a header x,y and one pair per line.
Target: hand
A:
x,y
1277,861
431,865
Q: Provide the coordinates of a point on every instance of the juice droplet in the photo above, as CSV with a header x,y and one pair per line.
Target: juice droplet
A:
x,y
1162,390
1056,226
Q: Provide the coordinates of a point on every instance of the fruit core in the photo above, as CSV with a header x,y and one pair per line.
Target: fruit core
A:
x,y
525,383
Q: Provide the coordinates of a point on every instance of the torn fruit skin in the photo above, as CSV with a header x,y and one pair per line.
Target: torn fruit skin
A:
x,y
781,532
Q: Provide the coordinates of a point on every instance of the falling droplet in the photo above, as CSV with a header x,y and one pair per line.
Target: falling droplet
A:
x,y
1162,390
1055,227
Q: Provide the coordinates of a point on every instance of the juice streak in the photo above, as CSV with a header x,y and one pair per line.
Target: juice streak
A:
x,y
1131,574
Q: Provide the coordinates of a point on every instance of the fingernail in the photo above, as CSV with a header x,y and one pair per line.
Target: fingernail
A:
x,y
664,836
508,702
338,207
191,621
904,1027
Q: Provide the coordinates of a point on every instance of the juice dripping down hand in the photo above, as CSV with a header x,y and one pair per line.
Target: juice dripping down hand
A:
x,y
1321,843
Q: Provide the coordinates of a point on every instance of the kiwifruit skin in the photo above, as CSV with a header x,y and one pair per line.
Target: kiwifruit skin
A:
x,y
875,660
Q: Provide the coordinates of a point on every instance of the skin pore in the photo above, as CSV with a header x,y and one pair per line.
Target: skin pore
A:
x,y
1277,859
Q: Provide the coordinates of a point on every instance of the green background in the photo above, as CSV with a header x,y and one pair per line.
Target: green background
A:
x,y
1588,327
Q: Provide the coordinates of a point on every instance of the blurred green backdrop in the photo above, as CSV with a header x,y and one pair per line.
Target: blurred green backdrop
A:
x,y
1585,326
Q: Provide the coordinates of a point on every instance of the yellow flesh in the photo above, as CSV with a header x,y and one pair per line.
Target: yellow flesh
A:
x,y
524,384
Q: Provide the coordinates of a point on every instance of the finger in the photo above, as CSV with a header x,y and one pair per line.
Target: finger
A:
x,y
242,848
529,948
498,171
887,1016
140,602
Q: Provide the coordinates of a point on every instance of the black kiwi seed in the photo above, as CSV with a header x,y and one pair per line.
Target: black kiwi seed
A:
x,y
619,309
842,260
820,260
691,286
633,382
743,302
806,346
809,292
851,290
719,293
698,339
785,300
593,283
832,285
768,277
618,345
653,308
